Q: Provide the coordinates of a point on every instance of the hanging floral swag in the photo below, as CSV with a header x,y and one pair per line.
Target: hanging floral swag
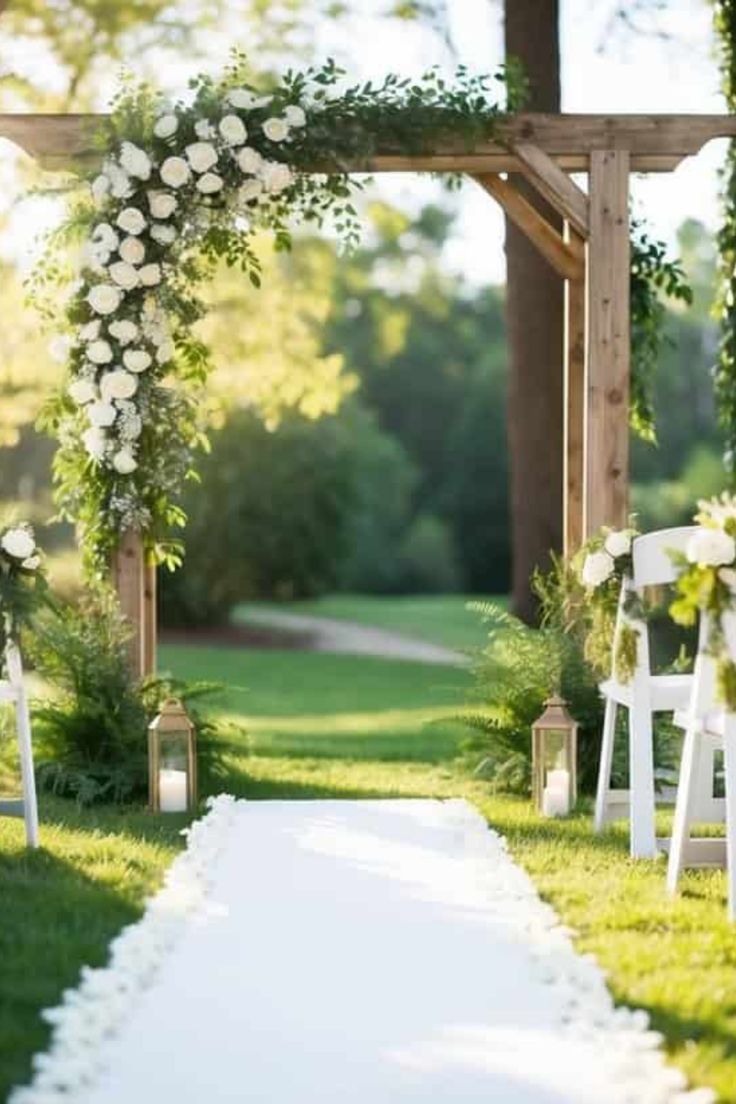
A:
x,y
181,187
22,581
601,566
706,585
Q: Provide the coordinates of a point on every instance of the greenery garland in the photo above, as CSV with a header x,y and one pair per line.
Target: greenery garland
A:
x,y
724,14
181,187
601,566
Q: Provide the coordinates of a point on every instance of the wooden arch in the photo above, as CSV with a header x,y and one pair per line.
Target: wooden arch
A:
x,y
591,255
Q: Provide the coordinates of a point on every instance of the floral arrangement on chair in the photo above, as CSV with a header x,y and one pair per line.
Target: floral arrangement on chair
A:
x,y
601,565
22,580
706,584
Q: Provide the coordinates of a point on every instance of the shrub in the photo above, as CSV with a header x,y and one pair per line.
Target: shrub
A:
x,y
428,560
95,727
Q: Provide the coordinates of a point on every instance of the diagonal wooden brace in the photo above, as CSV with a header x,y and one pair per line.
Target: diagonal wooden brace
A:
x,y
555,185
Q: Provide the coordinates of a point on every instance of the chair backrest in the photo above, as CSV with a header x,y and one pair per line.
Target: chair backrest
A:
x,y
13,664
652,563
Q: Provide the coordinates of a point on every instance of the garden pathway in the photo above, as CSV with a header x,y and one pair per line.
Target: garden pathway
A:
x,y
377,952
327,634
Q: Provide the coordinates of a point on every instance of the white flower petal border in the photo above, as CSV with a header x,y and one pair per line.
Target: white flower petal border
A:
x,y
92,1014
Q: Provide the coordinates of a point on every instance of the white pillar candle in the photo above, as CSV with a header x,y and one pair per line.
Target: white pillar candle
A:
x,y
554,803
172,791
559,781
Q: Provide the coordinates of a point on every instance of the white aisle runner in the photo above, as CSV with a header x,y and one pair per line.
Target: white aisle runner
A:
x,y
360,952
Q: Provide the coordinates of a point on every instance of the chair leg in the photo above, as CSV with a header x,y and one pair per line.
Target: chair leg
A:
x,y
684,806
30,805
643,842
604,767
729,762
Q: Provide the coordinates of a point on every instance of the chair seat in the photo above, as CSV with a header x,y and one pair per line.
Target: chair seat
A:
x,y
668,692
712,724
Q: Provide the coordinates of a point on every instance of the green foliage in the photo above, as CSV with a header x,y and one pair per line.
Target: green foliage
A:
x,y
95,725
724,13
23,585
428,558
652,275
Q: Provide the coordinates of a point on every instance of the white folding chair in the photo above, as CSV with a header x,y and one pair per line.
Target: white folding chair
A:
x,y
708,726
12,691
645,695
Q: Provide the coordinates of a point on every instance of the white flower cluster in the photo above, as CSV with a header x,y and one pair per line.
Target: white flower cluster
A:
x,y
89,1018
599,566
145,197
711,545
18,546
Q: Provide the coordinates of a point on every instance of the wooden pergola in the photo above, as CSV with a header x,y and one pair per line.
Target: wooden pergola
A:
x,y
591,254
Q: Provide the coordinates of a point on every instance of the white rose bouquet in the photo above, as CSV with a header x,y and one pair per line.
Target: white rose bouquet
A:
x,y
602,565
22,580
706,583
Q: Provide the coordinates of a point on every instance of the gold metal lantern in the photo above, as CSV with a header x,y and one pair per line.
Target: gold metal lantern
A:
x,y
172,760
554,759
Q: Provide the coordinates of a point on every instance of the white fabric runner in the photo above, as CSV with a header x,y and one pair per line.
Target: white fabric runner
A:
x,y
360,952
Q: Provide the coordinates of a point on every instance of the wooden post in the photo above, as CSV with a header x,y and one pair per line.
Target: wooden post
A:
x,y
575,309
607,415
135,583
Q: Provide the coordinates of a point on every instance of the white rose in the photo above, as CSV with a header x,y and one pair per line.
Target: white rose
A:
x,y
104,238
209,183
165,352
201,156
90,331
710,547
104,298
204,129
123,331
59,348
101,414
245,100
99,352
233,130
598,567
82,391
120,185
94,441
135,161
136,360
165,126
295,116
150,275
276,177
174,172
124,462
124,275
118,385
276,130
100,188
162,204
618,543
18,543
132,250
250,190
163,233
131,220
31,563
249,160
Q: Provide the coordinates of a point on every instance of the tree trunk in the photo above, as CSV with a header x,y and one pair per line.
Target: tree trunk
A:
x,y
534,307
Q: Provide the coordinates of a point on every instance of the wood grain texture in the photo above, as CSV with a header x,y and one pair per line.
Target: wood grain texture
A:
x,y
565,261
129,571
575,384
655,142
570,201
607,431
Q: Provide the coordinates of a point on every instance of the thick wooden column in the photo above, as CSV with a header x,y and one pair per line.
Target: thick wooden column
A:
x,y
575,319
607,413
135,583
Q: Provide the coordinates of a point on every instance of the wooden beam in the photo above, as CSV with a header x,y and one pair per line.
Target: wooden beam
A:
x,y
607,429
657,143
574,478
570,202
150,619
544,236
129,571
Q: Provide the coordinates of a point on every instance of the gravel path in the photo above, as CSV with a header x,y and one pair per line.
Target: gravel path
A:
x,y
326,634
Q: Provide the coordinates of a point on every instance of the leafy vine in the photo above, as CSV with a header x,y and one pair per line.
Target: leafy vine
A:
x,y
724,14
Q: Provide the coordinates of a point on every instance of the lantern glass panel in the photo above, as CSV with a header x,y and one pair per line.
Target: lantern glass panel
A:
x,y
173,770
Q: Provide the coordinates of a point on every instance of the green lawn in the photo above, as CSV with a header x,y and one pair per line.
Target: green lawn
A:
x,y
438,618
340,726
